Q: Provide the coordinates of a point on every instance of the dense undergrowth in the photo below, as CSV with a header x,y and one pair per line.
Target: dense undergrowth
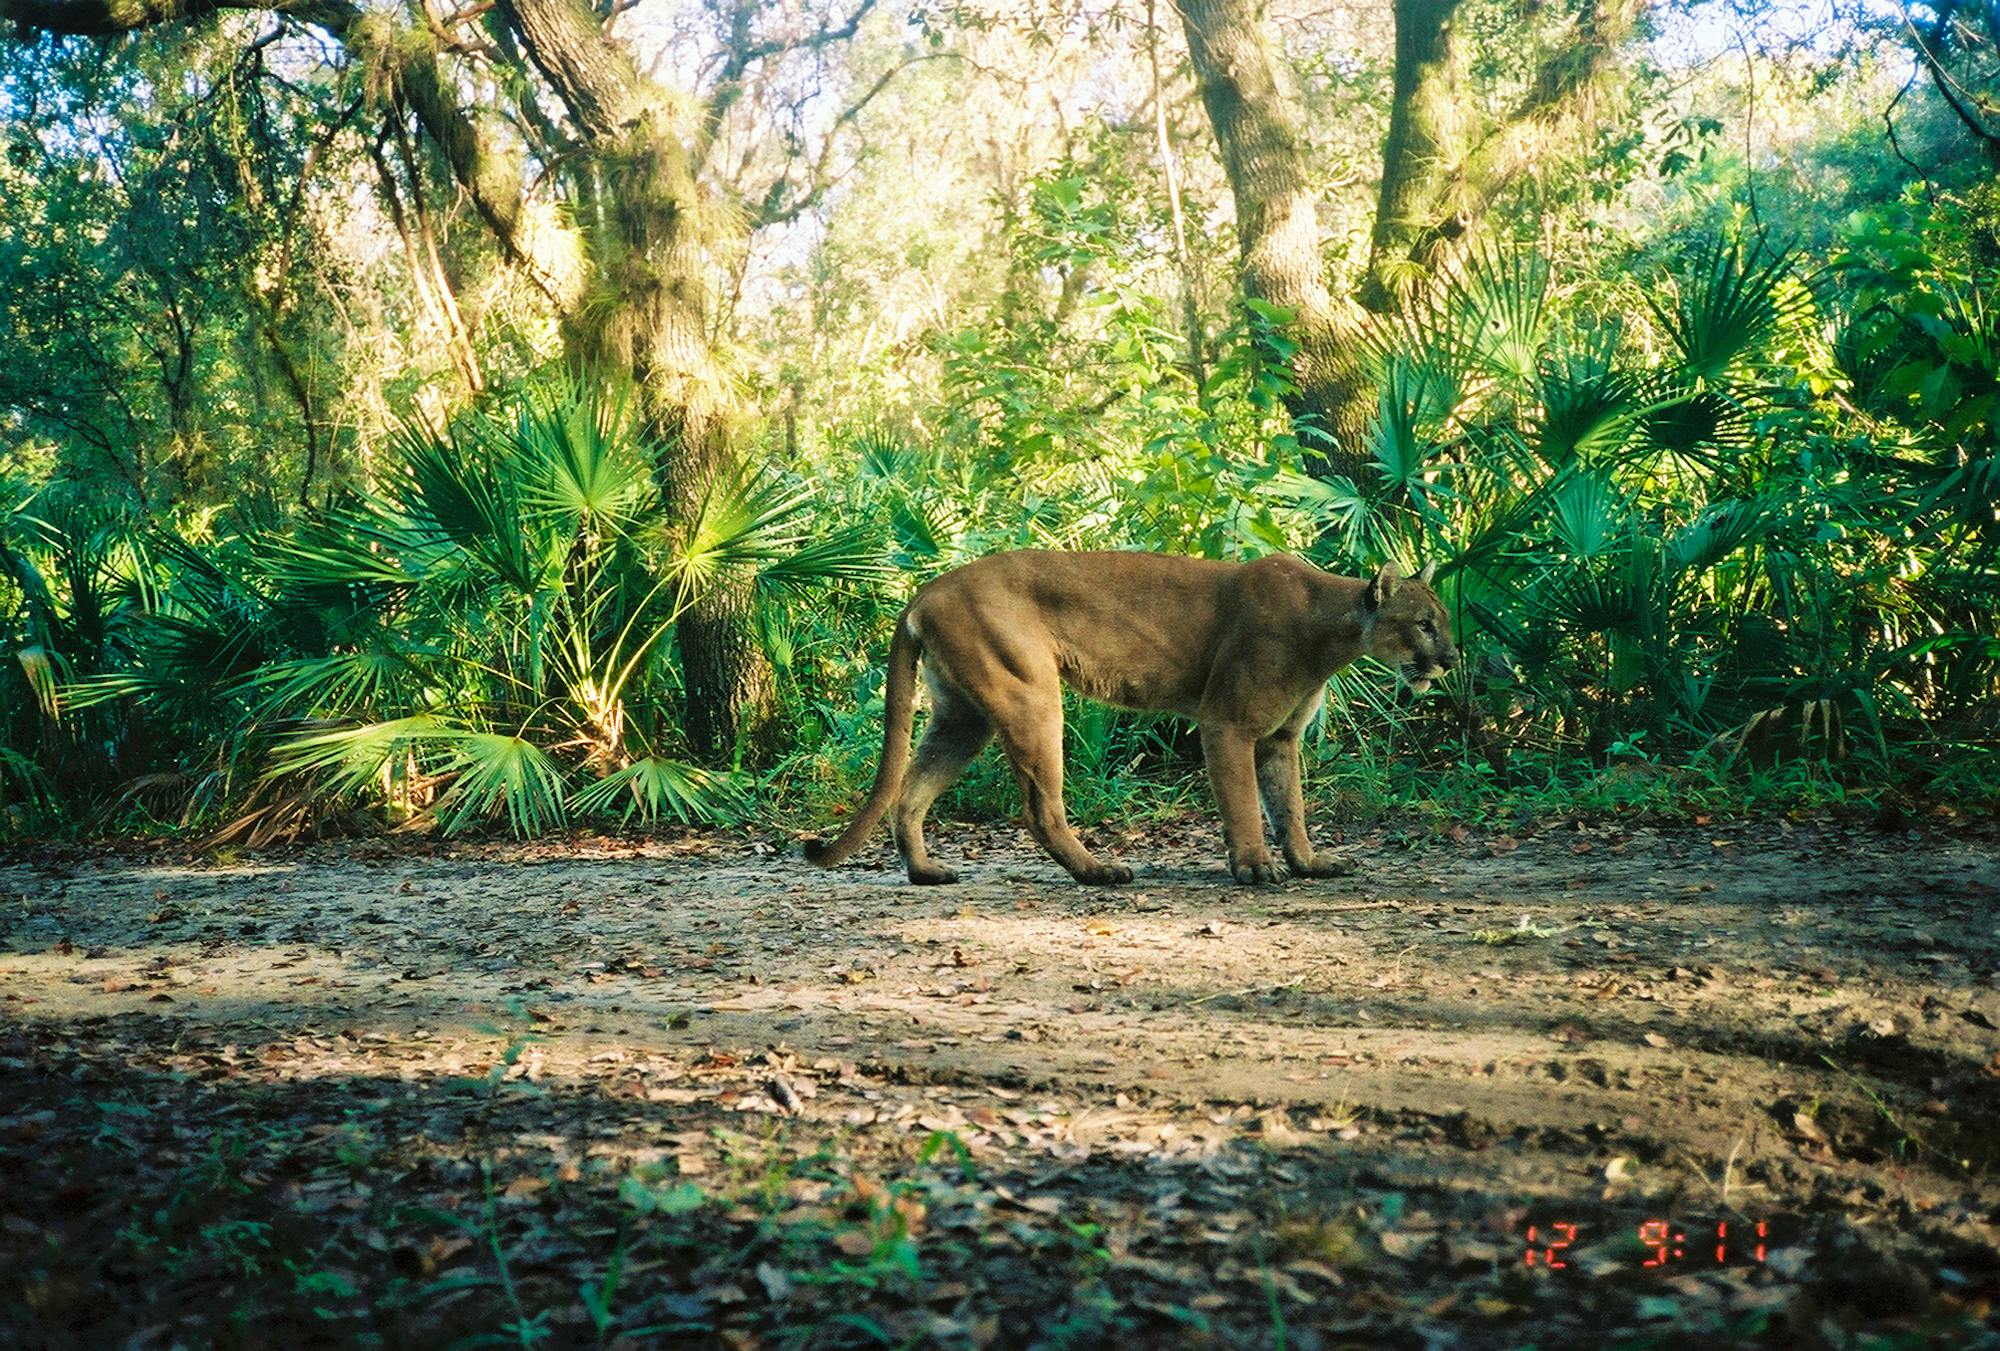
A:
x,y
1724,537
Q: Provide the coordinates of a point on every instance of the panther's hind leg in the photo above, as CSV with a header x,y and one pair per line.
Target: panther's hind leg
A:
x,y
956,733
1031,729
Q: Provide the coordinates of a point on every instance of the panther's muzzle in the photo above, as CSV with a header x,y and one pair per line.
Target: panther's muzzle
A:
x,y
1420,675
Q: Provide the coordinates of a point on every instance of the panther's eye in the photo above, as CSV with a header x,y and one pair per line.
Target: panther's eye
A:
x,y
1428,626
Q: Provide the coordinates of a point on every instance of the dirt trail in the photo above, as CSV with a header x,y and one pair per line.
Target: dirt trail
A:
x,y
1784,1021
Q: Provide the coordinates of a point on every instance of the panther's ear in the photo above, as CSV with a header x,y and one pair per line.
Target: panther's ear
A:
x,y
1380,587
1430,570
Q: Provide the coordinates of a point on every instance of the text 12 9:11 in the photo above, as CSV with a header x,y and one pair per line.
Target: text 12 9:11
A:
x,y
1662,1244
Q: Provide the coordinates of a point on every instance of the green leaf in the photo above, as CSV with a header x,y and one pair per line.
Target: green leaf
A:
x,y
504,775
475,501
583,466
1727,309
346,760
656,787
651,1199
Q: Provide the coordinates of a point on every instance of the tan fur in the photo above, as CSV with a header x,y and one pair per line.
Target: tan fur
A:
x,y
1245,649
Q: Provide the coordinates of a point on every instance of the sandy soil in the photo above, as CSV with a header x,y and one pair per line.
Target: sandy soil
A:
x,y
1255,1106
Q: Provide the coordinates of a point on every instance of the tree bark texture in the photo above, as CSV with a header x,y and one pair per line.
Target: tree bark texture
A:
x,y
1437,180
1255,112
647,313
1416,154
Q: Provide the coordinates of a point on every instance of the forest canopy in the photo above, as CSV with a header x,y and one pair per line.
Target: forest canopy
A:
x,y
534,412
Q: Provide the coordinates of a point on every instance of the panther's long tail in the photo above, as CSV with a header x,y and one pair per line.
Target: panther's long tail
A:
x,y
899,704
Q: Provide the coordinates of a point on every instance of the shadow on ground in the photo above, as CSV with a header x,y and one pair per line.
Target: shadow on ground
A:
x,y
695,1094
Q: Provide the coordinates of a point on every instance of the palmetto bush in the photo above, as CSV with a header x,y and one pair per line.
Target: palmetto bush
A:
x,y
1671,522
1677,515
1724,507
488,635
73,579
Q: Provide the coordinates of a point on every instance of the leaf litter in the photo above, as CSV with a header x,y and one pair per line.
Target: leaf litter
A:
x,y
645,1093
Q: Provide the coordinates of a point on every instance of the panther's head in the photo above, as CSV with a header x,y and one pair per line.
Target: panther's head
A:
x,y
1406,626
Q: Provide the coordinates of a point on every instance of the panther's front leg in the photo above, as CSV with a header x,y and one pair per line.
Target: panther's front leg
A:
x,y
1279,784
1232,775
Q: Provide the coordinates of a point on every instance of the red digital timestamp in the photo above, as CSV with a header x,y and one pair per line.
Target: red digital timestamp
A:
x,y
1661,1244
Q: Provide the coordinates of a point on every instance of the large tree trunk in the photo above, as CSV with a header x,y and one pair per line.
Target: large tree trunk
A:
x,y
647,314
1255,113
1417,154
1438,181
